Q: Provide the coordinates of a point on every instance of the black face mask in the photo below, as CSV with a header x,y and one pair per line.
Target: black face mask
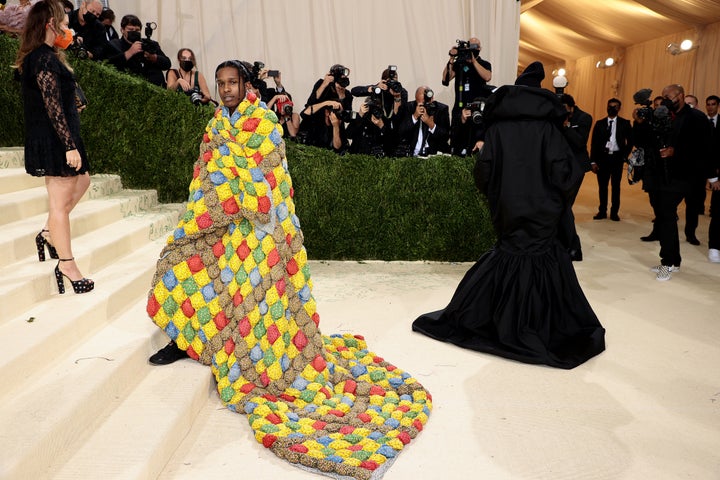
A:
x,y
670,105
133,37
612,111
186,65
89,17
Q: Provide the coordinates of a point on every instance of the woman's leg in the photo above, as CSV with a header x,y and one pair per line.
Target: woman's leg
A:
x,y
81,186
61,195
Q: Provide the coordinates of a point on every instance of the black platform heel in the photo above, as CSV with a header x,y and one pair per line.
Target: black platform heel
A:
x,y
83,285
41,242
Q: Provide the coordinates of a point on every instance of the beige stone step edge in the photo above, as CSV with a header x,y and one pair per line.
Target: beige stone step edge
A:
x,y
23,284
12,157
33,201
18,241
52,326
14,179
66,408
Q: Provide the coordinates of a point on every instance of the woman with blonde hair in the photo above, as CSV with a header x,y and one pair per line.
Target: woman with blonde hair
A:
x,y
53,147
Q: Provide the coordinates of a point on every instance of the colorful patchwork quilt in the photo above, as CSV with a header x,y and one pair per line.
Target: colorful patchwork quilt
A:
x,y
233,289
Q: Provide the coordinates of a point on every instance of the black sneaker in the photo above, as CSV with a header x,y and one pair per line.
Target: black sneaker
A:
x,y
170,353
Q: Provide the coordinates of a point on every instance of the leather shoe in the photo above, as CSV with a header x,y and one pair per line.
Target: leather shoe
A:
x,y
614,217
693,240
170,353
650,238
600,216
575,255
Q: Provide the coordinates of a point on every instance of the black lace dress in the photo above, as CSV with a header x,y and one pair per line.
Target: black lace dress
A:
x,y
52,122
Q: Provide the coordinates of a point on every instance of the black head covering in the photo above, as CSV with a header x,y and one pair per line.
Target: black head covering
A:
x,y
532,75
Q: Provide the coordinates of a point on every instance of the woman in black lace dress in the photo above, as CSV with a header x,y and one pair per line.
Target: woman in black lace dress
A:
x,y
53,147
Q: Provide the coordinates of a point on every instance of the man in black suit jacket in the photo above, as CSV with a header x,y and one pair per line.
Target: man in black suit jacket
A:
x,y
576,130
711,106
611,143
425,127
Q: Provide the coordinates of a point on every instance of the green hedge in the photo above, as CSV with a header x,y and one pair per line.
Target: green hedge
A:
x,y
350,207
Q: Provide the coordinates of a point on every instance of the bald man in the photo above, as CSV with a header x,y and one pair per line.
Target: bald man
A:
x,y
683,159
88,28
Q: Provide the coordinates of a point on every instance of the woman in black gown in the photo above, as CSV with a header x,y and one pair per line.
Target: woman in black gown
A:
x,y
522,299
53,147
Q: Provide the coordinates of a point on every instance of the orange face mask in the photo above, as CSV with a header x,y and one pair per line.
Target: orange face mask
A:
x,y
64,39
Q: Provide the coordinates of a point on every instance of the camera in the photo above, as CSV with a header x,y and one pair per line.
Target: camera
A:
x,y
78,49
257,66
195,95
477,107
430,106
392,81
340,75
148,45
346,115
466,51
284,108
374,103
642,98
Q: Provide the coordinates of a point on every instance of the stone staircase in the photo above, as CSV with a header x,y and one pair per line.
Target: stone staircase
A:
x,y
79,400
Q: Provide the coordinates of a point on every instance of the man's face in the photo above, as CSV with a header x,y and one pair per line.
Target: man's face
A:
x,y
692,101
613,108
230,87
128,29
675,96
711,106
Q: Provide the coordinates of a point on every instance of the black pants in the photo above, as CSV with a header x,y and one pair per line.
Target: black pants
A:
x,y
714,230
610,170
566,226
666,225
694,205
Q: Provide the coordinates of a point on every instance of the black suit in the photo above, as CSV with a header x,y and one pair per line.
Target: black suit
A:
x,y
576,133
610,163
714,229
437,141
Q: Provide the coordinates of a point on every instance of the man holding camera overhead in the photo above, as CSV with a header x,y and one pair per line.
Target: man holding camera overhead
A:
x,y
141,56
471,74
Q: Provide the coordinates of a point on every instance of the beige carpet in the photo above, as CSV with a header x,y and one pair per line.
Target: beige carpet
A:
x,y
646,408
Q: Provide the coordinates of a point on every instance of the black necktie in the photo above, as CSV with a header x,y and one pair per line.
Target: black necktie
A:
x,y
610,122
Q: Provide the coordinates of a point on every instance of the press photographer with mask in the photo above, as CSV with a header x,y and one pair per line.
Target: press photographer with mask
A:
x,y
133,54
188,79
321,125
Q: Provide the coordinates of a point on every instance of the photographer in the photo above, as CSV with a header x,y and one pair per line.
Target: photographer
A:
x,y
471,74
321,125
141,56
392,99
188,79
425,128
369,130
90,39
280,101
470,132
333,86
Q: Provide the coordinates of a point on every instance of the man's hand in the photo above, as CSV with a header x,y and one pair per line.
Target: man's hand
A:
x,y
465,114
667,152
594,167
713,185
134,49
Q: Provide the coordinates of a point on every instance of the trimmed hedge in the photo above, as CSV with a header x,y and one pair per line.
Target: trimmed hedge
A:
x,y
350,207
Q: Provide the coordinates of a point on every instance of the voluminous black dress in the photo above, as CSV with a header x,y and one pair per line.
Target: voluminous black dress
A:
x,y
522,299
52,121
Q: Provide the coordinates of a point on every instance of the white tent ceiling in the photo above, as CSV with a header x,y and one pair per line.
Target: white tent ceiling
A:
x,y
555,31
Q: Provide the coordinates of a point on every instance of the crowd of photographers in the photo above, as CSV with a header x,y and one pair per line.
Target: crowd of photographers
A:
x,y
388,122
